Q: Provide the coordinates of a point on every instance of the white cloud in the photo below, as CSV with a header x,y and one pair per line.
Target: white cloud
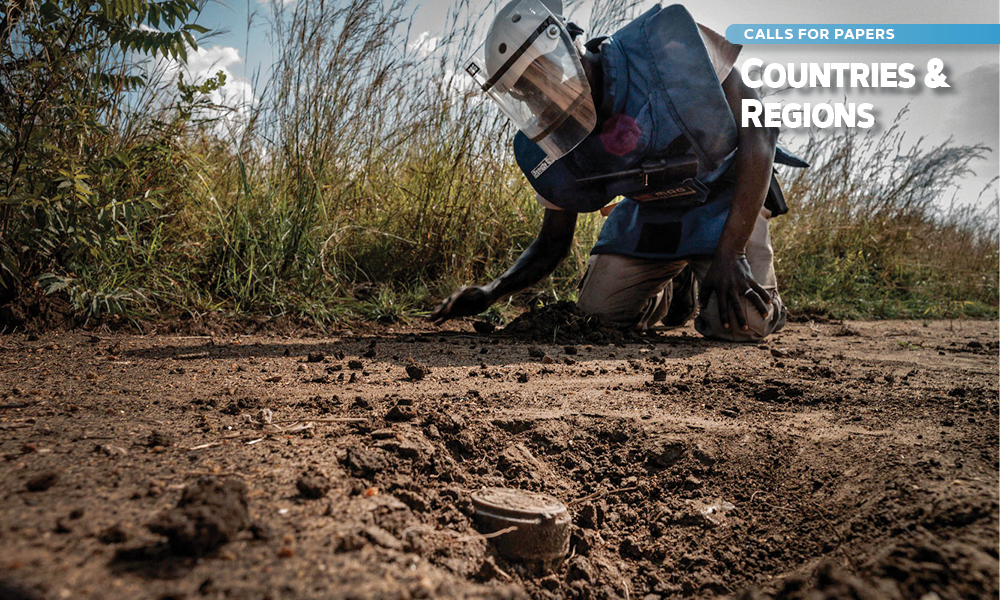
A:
x,y
233,100
206,59
425,45
975,119
967,114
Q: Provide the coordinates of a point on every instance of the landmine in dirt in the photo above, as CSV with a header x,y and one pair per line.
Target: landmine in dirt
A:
x,y
832,461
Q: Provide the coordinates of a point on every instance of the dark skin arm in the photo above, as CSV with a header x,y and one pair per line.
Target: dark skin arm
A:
x,y
729,276
550,247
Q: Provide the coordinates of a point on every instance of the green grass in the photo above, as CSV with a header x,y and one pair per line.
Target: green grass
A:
x,y
867,237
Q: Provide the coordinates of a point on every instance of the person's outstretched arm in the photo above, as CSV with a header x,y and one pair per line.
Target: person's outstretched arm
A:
x,y
552,245
729,276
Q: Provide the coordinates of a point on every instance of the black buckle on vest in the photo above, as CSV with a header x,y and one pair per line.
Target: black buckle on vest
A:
x,y
669,180
651,171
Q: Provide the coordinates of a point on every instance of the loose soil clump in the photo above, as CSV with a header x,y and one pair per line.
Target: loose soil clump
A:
x,y
209,514
416,372
312,484
42,481
564,323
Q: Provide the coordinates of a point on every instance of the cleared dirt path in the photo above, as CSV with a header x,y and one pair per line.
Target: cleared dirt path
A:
x,y
856,458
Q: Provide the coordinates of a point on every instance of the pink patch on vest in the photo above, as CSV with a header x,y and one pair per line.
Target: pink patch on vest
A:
x,y
620,135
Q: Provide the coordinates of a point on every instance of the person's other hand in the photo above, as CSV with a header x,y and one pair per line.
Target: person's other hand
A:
x,y
730,280
469,300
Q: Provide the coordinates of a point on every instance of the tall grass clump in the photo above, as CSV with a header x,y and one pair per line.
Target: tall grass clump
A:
x,y
868,235
371,171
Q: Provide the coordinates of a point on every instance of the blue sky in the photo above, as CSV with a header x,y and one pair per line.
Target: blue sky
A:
x,y
968,112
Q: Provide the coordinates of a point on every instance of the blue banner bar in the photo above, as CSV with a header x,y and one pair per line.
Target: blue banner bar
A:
x,y
788,33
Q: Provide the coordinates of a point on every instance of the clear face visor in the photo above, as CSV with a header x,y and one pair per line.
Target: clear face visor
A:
x,y
531,69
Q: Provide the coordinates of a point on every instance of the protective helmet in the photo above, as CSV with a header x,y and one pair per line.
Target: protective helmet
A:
x,y
531,69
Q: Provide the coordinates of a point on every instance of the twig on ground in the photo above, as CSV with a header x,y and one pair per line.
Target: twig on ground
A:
x,y
505,530
205,474
297,427
324,420
502,573
413,528
483,536
257,436
204,446
601,494
784,508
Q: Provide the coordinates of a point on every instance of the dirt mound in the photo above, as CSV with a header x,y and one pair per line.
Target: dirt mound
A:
x,y
922,567
209,514
829,583
36,312
948,568
564,323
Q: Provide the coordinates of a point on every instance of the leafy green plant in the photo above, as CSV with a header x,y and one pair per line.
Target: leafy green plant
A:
x,y
67,69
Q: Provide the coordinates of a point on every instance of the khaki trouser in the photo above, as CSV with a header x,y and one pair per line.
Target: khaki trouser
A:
x,y
636,293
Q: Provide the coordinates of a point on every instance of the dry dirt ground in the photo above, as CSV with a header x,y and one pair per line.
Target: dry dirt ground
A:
x,y
835,460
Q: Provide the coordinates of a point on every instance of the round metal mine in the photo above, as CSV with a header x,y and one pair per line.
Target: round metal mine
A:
x,y
541,524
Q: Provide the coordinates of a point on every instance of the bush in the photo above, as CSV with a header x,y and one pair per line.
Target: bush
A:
x,y
81,177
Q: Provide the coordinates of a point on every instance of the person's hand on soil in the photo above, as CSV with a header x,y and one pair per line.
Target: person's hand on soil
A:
x,y
467,301
730,279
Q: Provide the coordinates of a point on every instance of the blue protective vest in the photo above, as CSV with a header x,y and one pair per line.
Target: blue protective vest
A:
x,y
661,99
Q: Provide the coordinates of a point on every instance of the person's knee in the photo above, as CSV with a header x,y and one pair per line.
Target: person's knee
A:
x,y
616,317
709,324
628,292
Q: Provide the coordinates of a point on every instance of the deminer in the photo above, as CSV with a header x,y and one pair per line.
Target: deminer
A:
x,y
649,114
